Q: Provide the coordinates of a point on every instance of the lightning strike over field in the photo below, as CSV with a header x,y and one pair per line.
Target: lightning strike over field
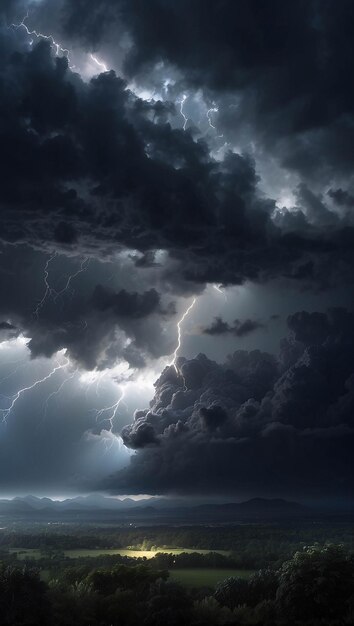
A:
x,y
6,412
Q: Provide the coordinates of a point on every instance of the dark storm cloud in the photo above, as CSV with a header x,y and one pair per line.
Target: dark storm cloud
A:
x,y
124,304
281,69
90,170
254,424
97,323
341,197
91,166
218,327
240,328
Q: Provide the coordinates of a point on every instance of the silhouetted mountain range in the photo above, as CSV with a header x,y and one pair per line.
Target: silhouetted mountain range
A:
x,y
98,506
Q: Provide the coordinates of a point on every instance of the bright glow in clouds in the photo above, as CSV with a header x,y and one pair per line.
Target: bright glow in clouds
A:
x,y
102,66
221,291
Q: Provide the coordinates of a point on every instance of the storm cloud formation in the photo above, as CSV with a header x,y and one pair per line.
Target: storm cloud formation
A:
x,y
254,423
217,151
91,169
239,328
288,64
96,166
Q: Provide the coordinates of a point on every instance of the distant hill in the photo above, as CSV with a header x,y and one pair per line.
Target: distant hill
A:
x,y
99,507
30,504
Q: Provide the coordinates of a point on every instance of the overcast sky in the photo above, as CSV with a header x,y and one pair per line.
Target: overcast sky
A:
x,y
167,161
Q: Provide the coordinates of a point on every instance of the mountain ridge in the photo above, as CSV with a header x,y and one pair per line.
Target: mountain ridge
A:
x,y
99,505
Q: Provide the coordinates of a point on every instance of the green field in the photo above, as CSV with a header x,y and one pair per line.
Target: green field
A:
x,y
26,553
198,577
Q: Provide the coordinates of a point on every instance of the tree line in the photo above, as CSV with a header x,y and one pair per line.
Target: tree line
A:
x,y
315,586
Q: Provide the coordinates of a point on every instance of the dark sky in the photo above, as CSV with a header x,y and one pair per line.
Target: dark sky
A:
x,y
166,158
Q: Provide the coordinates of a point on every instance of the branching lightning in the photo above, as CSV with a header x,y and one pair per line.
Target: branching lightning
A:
x,y
49,291
6,412
57,391
83,267
58,48
112,412
179,333
184,98
113,409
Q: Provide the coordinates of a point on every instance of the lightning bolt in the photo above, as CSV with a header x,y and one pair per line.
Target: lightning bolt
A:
x,y
179,333
99,63
182,101
6,412
49,291
218,288
83,267
57,391
113,412
114,408
208,114
213,109
57,46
